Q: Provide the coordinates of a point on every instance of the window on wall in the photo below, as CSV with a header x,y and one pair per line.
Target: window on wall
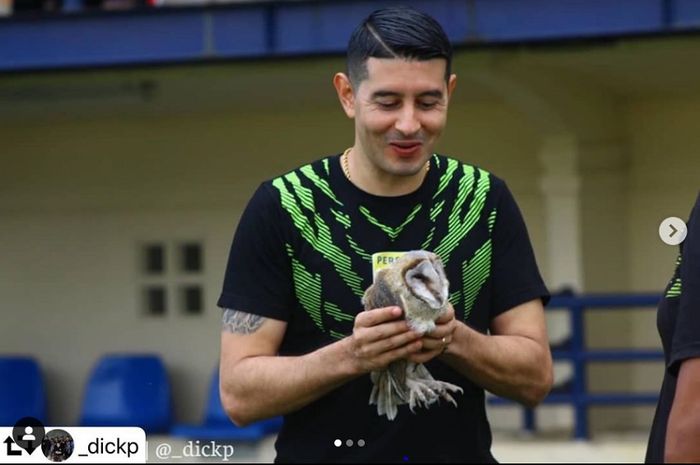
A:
x,y
191,257
172,278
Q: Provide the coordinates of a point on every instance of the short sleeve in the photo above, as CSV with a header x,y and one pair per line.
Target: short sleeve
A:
x,y
258,274
516,277
686,338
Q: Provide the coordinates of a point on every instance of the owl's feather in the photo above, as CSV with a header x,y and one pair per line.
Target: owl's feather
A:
x,y
416,282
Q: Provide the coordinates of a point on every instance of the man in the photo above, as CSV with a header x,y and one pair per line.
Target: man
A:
x,y
676,428
295,341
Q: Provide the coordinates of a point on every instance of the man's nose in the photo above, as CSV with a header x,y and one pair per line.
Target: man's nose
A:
x,y
407,122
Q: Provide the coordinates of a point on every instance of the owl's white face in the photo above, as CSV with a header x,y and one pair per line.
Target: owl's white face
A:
x,y
426,279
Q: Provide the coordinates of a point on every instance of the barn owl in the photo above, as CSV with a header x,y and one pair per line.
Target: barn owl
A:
x,y
416,282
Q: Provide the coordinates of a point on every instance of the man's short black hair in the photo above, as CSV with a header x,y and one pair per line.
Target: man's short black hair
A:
x,y
396,32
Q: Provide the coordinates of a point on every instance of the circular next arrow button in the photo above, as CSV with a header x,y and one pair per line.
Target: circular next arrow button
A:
x,y
672,230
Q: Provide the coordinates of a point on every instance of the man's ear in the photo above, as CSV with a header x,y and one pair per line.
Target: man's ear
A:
x,y
451,84
346,95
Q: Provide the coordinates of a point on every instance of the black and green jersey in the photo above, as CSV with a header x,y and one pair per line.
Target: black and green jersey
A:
x,y
302,254
678,323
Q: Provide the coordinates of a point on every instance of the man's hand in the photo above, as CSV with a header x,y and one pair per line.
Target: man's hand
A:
x,y
437,341
380,337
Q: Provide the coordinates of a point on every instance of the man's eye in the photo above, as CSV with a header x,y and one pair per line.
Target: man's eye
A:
x,y
388,105
428,105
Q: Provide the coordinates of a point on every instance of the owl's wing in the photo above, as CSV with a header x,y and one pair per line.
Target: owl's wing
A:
x,y
380,294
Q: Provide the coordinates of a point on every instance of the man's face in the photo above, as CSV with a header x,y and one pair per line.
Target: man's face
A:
x,y
400,110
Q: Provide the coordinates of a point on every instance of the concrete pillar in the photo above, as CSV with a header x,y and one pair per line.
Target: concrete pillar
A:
x,y
561,187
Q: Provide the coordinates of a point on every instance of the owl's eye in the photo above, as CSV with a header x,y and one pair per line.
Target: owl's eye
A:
x,y
421,277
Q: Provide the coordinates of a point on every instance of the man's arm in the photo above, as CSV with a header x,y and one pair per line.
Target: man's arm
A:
x,y
514,361
683,428
256,383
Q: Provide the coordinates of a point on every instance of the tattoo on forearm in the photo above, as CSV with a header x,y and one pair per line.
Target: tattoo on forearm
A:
x,y
241,322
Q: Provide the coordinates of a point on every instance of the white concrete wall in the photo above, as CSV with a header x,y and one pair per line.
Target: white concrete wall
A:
x,y
664,181
76,200
71,293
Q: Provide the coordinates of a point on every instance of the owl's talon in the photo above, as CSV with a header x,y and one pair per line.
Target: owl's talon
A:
x,y
449,398
416,389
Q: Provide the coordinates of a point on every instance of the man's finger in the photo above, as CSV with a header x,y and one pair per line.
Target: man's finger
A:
x,y
441,331
423,356
436,343
400,353
447,316
391,343
381,331
376,316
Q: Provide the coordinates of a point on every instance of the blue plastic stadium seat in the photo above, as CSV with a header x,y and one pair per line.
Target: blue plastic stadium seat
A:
x,y
22,391
128,390
217,425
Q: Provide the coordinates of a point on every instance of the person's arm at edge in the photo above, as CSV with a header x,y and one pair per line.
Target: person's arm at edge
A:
x,y
514,361
682,442
256,383
683,428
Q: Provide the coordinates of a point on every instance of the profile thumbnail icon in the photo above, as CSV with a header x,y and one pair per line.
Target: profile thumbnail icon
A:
x,y
28,433
57,445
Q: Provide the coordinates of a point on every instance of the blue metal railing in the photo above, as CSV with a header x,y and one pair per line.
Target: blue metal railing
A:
x,y
579,356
